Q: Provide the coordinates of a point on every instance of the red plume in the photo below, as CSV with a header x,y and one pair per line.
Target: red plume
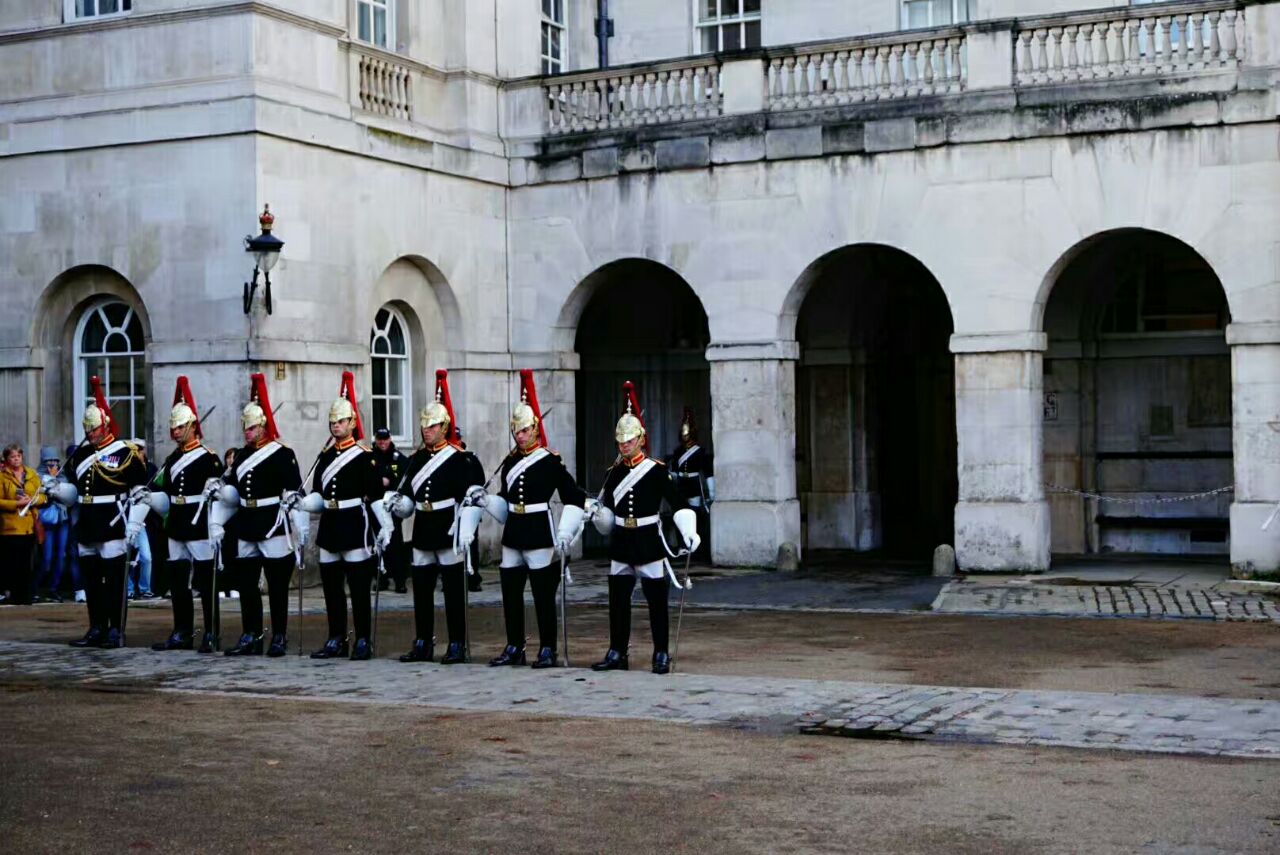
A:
x,y
632,406
454,436
101,401
529,395
258,394
182,395
348,391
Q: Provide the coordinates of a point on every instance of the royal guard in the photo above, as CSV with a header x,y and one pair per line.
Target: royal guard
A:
x,y
181,480
628,511
391,463
345,485
263,473
107,474
690,466
528,478
436,482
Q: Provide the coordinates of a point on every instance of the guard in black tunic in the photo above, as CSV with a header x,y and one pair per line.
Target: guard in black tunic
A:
x,y
691,467
628,511
104,470
181,480
346,482
265,471
391,464
528,478
437,480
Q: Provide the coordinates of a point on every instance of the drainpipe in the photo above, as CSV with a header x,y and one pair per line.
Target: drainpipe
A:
x,y
604,31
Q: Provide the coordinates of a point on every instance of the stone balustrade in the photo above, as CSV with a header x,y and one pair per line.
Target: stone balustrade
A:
x,y
385,86
669,92
903,65
1175,38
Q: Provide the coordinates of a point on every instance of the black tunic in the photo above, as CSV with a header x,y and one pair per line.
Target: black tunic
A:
x,y
180,524
535,485
450,480
110,470
691,475
269,479
641,544
344,529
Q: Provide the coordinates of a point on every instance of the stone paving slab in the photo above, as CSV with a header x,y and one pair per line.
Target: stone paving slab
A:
x,y
1025,597
1161,723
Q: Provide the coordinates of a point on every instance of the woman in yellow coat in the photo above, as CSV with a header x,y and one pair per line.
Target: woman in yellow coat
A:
x,y
19,487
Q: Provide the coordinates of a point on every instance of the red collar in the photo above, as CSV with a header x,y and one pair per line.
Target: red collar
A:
x,y
634,461
107,440
344,444
192,445
262,442
439,446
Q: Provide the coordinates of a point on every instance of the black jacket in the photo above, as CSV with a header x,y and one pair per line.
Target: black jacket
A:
x,y
276,474
535,485
691,475
190,480
450,480
110,470
343,529
639,544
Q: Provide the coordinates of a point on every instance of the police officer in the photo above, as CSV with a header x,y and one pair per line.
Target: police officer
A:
x,y
264,472
438,478
346,482
391,464
104,471
691,467
628,511
528,478
182,478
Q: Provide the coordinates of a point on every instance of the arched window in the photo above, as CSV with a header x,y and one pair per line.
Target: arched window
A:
x,y
389,359
109,343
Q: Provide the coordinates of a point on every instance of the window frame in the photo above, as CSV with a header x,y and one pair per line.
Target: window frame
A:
x,y
81,392
721,20
401,434
69,15
547,63
959,13
388,6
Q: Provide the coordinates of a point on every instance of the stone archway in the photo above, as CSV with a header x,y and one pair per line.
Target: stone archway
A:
x,y
639,321
875,405
1137,381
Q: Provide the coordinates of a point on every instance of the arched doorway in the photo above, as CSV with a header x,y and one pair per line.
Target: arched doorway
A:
x,y
641,322
1137,383
875,405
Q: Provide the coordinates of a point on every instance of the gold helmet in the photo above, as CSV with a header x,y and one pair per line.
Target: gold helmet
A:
x,y
434,413
522,417
688,428
629,427
93,417
253,415
341,409
181,415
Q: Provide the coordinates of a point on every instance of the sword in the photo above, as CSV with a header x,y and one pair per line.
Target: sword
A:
x,y
61,468
688,555
564,607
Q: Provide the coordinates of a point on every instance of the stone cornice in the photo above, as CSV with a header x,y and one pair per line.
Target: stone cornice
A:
x,y
135,19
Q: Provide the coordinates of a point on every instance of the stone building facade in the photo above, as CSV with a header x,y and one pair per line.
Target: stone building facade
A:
x,y
921,267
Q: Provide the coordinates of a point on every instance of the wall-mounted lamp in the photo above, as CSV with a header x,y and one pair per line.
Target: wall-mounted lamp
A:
x,y
265,249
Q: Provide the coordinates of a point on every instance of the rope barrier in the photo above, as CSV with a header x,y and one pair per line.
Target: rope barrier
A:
x,y
1143,500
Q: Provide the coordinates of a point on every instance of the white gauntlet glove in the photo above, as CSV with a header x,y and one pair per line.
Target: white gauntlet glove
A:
x,y
476,496
571,522
386,526
687,523
398,503
468,523
64,494
135,525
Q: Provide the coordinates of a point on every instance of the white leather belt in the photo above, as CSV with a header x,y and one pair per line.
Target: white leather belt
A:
x,y
259,503
341,504
688,474
639,522
528,509
443,505
197,499
99,500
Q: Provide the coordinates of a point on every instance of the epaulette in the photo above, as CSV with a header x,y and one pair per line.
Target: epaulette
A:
x,y
657,461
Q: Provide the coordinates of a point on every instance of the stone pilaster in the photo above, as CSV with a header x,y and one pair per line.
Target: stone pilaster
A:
x,y
753,422
1002,518
1255,440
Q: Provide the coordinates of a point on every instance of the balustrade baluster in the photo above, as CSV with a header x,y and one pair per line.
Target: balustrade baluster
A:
x,y
788,83
1053,66
857,81
1040,64
1230,41
1215,41
713,90
1118,59
842,77
1101,59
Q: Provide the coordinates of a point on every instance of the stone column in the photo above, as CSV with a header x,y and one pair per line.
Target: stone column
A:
x,y
753,424
1002,518
1255,440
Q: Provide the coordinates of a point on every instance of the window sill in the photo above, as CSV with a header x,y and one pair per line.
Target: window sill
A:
x,y
89,19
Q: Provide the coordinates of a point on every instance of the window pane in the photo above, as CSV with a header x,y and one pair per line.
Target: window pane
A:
x,y
117,343
709,39
395,376
917,14
379,376
134,331
708,10
363,28
117,380
380,319
732,36
395,416
84,8
95,334
106,7
92,367
941,13
751,7
396,335
559,16
380,27
139,378
753,34
115,313
380,345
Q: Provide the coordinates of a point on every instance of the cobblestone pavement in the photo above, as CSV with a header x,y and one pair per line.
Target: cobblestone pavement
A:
x,y
1159,723
1050,597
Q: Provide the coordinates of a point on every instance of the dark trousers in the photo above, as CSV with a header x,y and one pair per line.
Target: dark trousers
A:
x,y
655,593
17,550
424,601
357,576
278,571
104,591
544,583
182,575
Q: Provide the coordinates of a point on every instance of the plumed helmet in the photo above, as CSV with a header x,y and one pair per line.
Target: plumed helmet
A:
x,y
98,413
258,410
527,413
433,414
181,415
183,411
252,414
629,426
688,427
341,409
93,417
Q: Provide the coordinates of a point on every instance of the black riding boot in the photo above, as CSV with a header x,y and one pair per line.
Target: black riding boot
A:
x,y
620,590
656,592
